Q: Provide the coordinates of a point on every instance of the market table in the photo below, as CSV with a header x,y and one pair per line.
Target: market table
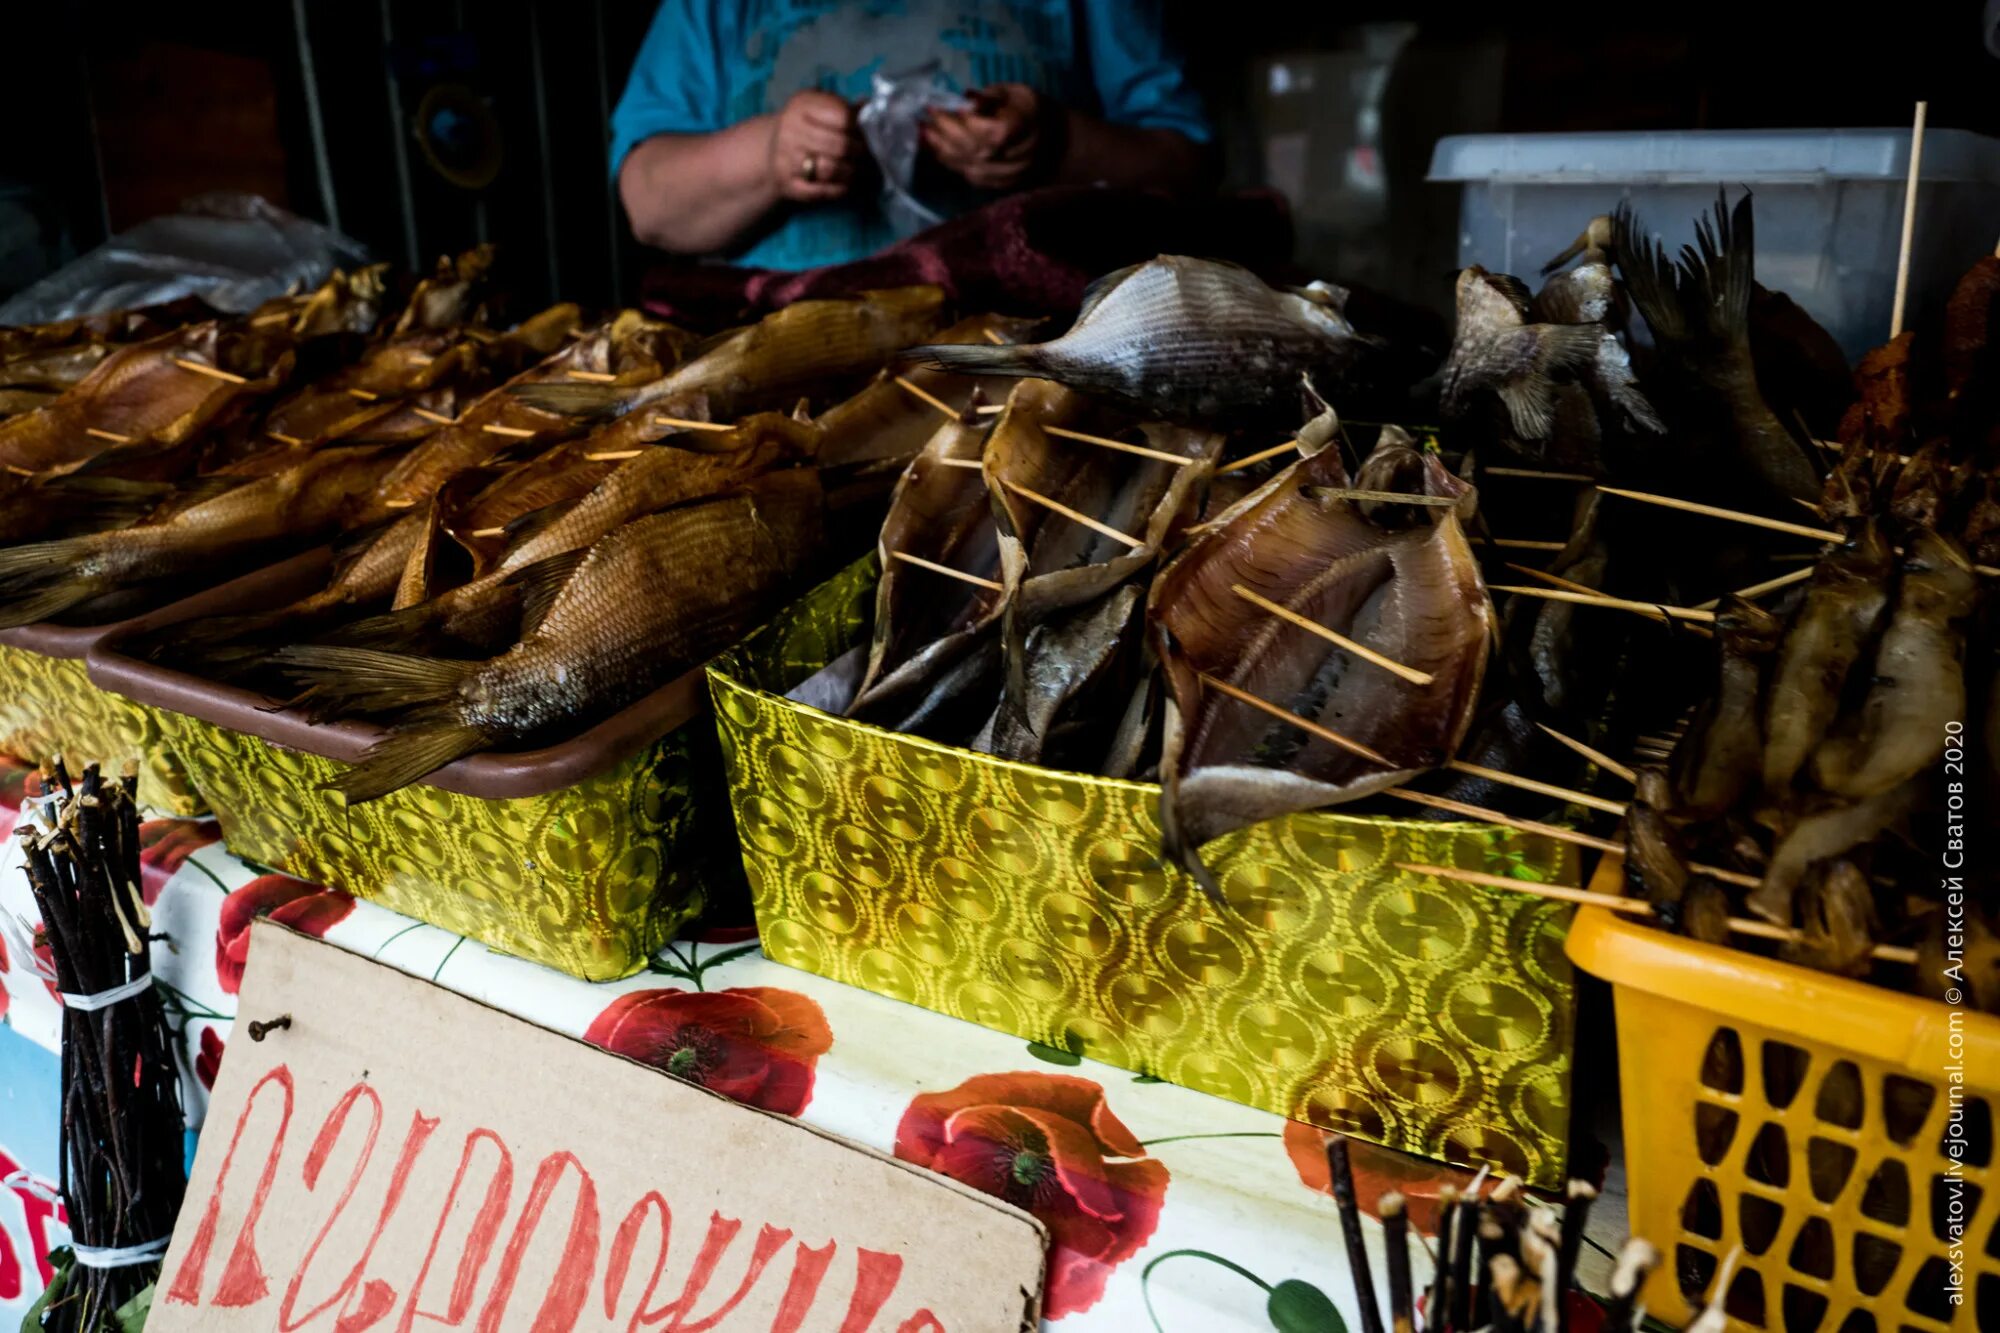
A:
x,y
1222,1203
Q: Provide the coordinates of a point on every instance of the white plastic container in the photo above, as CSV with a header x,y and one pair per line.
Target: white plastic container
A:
x,y
1829,206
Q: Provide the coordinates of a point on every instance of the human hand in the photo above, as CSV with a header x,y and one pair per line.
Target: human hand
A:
x,y
995,144
814,147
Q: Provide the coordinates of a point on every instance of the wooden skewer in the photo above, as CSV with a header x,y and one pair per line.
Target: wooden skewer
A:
x,y
684,423
1612,603
593,376
1305,724
1057,506
912,387
1538,787
1714,511
110,435
438,417
1387,497
1768,585
990,409
994,337
1334,637
1519,544
292,440
1595,756
363,395
1101,442
1554,580
399,504
614,455
487,532
213,372
1535,475
1888,953
1256,458
20,471
1554,831
993,585
972,464
1909,219
511,432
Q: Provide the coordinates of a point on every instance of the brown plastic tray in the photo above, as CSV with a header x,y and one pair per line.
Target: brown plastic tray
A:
x,y
493,776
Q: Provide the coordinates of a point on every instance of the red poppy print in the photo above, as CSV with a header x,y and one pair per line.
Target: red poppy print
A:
x,y
290,902
756,1044
14,776
164,847
1047,1143
208,1060
5,997
1377,1171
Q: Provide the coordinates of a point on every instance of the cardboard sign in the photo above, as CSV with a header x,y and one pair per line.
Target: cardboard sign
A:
x,y
401,1156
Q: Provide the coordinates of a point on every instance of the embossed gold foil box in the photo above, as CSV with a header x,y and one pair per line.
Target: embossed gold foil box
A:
x,y
1432,1017
587,856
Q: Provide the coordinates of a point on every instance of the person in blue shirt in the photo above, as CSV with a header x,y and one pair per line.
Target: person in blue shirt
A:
x,y
736,133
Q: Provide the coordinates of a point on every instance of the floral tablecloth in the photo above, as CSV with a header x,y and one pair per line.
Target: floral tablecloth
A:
x,y
1168,1209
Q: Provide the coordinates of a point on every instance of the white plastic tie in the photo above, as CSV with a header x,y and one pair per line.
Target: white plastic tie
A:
x,y
121,1256
104,999
25,1183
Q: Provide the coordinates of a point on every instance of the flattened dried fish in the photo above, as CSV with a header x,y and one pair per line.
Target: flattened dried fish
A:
x,y
1413,595
1066,657
1192,340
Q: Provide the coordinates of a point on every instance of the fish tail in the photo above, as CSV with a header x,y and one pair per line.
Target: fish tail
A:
x,y
590,401
402,757
1176,849
392,631
980,358
43,579
364,680
1651,279
1723,268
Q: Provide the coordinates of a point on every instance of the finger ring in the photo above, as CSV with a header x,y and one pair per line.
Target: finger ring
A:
x,y
810,168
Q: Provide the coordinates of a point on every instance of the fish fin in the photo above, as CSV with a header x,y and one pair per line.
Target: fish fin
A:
x,y
363,680
1094,294
1721,268
112,500
1543,349
391,631
403,757
1022,360
41,579
533,521
540,583
571,399
47,602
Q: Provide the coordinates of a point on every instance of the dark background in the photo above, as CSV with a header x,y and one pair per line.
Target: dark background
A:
x,y
123,110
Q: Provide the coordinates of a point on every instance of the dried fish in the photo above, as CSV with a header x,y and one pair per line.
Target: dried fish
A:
x,y
1414,595
1848,594
1191,340
647,601
1722,759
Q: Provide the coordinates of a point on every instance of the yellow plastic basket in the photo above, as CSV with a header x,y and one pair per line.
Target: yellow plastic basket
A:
x,y
1809,1120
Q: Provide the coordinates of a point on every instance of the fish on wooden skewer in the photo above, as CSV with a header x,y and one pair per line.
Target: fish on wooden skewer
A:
x,y
1069,659
647,601
1722,760
660,477
927,622
632,347
330,491
1188,340
1917,688
893,417
1848,596
1497,350
1039,483
765,366
1415,595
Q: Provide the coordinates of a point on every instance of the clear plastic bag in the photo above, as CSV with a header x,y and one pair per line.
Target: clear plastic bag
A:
x,y
891,123
234,251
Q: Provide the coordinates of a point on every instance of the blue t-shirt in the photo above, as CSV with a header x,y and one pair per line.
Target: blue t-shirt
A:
x,y
707,64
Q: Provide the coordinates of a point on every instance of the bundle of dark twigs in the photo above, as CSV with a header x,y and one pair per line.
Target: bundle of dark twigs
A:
x,y
1503,1263
122,1126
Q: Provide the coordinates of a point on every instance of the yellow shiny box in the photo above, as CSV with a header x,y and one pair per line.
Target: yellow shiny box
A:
x,y
1431,1017
49,708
